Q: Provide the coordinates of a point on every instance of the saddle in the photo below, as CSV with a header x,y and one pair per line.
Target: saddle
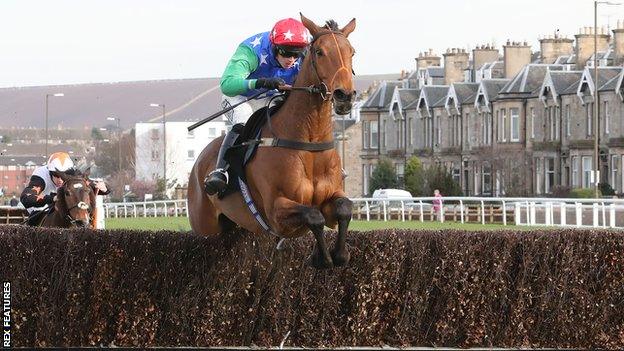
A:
x,y
244,148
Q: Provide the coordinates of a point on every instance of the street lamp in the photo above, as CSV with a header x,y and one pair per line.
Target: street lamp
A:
x,y
164,142
596,102
118,140
47,97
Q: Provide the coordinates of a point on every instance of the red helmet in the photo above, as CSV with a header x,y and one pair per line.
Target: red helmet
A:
x,y
290,32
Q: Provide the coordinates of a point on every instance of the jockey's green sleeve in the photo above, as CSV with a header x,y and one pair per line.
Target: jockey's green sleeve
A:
x,y
234,80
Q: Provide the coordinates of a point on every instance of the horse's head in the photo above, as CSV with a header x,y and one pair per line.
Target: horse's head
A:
x,y
74,199
331,56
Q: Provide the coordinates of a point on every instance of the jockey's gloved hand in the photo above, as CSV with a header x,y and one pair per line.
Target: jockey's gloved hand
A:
x,y
49,199
269,83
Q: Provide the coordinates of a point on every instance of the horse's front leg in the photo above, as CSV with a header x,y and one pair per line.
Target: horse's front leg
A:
x,y
291,215
339,209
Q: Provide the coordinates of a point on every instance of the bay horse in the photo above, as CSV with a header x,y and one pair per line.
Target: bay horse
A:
x,y
75,201
295,191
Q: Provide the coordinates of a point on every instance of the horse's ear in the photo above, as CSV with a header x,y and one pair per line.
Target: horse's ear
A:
x,y
346,30
311,26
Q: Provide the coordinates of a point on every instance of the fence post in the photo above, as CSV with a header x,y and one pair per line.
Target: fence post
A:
x,y
612,215
482,212
367,212
175,209
595,214
579,214
422,218
604,215
385,212
532,206
564,213
504,213
461,209
403,210
517,213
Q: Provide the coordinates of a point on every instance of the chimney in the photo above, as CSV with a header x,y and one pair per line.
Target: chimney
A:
x,y
455,62
618,43
517,55
427,59
553,47
481,55
585,45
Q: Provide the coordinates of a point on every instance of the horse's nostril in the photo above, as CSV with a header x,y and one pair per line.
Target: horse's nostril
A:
x,y
341,95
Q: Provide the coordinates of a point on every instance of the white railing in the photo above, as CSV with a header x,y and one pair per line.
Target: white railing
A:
x,y
595,213
161,208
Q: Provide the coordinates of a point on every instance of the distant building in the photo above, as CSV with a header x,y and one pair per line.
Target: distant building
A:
x,y
183,148
15,172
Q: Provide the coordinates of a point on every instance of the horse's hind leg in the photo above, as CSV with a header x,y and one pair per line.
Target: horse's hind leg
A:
x,y
339,210
291,213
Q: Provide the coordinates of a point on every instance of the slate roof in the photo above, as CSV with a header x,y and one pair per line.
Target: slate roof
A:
x,y
529,79
466,92
432,96
381,97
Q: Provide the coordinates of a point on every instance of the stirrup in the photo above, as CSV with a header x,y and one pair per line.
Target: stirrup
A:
x,y
221,171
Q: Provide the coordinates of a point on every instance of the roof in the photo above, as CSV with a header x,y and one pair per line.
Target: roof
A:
x,y
432,96
435,72
529,79
22,160
465,92
489,89
381,97
559,82
605,77
408,96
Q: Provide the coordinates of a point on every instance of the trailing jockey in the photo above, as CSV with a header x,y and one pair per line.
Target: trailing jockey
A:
x,y
263,61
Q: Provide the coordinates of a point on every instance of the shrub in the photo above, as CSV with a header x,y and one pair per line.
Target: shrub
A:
x,y
561,191
583,193
383,176
606,189
415,181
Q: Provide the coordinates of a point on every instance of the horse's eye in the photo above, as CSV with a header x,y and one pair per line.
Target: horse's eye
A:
x,y
319,52
67,193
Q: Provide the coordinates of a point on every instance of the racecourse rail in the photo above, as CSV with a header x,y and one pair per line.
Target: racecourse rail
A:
x,y
592,213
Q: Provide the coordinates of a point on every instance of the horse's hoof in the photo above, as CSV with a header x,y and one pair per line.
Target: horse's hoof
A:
x,y
340,258
316,261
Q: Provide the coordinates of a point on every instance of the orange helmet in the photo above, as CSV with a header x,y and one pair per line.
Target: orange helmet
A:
x,y
60,162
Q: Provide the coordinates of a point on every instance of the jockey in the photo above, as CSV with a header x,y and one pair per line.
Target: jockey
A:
x,y
44,182
263,61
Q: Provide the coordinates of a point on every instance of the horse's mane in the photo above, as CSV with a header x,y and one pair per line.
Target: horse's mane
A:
x,y
331,25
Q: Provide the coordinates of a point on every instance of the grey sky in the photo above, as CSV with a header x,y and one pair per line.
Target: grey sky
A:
x,y
49,42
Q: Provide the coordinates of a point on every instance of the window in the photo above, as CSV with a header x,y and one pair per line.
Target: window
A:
x,y
457,130
190,154
486,175
190,134
515,124
483,129
549,180
374,135
410,131
538,176
556,118
155,133
365,134
575,168
438,130
532,123
456,174
503,125
365,179
587,171
614,172
588,122
567,119
606,121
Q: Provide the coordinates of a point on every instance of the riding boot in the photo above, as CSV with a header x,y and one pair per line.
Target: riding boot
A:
x,y
217,180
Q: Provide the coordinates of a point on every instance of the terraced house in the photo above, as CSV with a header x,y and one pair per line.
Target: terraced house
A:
x,y
516,124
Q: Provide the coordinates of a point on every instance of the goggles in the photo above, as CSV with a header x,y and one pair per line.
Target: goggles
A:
x,y
290,52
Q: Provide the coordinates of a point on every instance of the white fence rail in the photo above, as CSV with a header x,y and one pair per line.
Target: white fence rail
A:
x,y
595,213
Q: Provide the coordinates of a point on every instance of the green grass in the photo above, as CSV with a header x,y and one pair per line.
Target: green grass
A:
x,y
182,224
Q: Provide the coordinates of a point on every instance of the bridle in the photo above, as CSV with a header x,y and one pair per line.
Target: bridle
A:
x,y
81,205
322,88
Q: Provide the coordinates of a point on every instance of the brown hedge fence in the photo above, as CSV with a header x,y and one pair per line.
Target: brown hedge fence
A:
x,y
402,288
